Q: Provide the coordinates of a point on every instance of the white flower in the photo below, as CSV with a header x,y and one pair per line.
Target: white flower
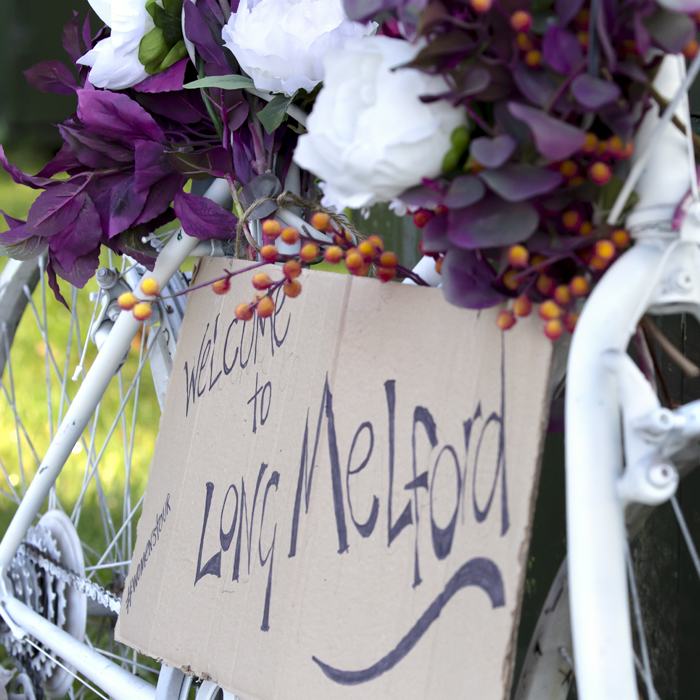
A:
x,y
115,61
369,136
281,43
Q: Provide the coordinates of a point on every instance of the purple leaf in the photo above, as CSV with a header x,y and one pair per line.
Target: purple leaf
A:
x,y
100,191
464,191
160,198
561,50
82,270
670,30
125,206
518,182
203,218
53,282
434,235
197,31
115,115
87,34
63,161
243,156
476,79
80,238
554,138
55,209
466,280
493,152
71,39
12,222
169,80
151,164
536,85
491,223
421,196
567,9
262,187
37,183
184,107
592,93
24,249
89,150
52,76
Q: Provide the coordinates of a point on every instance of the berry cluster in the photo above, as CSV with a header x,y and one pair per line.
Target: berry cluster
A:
x,y
358,259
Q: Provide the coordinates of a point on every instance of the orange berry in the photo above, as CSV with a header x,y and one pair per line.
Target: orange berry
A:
x,y
570,321
554,329
292,288
598,264
150,286
690,50
244,312
549,310
505,320
537,259
620,238
262,280
438,264
333,254
309,252
268,253
265,307
583,17
518,256
271,228
522,306
354,260
615,146
127,301
562,295
386,274
388,259
545,285
576,181
629,149
568,169
521,21
600,173
590,144
533,58
221,286
510,280
321,221
571,220
697,17
481,6
579,286
582,38
142,311
421,218
586,228
290,235
523,42
291,269
367,250
605,249
629,46
376,242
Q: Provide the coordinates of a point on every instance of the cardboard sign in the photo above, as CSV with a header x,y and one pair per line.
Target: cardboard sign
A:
x,y
340,499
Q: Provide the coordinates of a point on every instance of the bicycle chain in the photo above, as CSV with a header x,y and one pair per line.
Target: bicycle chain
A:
x,y
70,578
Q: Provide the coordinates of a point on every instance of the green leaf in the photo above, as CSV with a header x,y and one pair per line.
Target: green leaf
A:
x,y
609,192
274,112
225,82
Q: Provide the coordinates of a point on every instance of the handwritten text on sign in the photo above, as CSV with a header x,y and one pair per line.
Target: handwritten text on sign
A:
x,y
339,473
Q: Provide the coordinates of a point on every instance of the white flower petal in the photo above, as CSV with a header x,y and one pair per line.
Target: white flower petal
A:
x,y
369,135
281,43
112,69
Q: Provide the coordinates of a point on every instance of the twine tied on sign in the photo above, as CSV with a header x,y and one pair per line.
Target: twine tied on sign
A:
x,y
285,200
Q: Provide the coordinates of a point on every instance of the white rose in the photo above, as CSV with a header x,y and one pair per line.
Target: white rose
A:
x,y
115,60
281,43
369,136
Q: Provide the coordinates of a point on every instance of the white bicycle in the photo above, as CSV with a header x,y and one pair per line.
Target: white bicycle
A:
x,y
624,455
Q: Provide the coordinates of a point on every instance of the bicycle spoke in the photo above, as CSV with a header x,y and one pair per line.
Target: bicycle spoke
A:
x,y
14,406
686,534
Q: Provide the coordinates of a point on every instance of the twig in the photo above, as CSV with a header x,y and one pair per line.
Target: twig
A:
x,y
663,104
688,367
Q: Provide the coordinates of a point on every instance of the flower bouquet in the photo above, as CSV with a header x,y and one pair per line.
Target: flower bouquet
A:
x,y
505,128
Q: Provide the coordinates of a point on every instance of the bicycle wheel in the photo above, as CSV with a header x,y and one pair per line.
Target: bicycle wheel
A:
x,y
88,523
